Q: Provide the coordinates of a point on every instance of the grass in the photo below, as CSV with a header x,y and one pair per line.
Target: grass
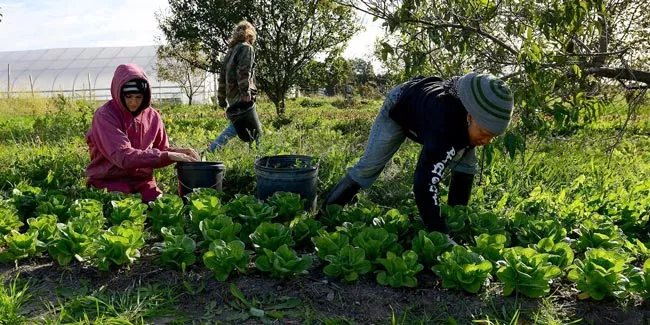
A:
x,y
43,140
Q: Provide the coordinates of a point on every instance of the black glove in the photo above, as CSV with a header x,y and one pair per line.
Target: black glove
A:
x,y
222,103
460,188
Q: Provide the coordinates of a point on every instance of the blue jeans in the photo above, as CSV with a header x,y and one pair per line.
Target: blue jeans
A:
x,y
223,138
386,136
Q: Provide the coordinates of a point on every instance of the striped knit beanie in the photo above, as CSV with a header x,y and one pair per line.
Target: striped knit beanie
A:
x,y
135,86
487,99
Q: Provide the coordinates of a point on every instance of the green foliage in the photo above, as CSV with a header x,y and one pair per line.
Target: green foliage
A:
x,y
535,230
428,246
394,222
119,245
251,211
223,258
287,205
376,242
175,250
13,297
19,246
463,269
303,229
26,198
203,205
9,220
400,271
329,243
129,209
282,263
332,216
600,274
598,235
347,264
526,271
166,211
271,236
219,228
559,254
55,204
45,226
490,247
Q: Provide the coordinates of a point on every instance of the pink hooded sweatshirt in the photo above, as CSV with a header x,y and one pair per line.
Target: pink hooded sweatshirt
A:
x,y
124,149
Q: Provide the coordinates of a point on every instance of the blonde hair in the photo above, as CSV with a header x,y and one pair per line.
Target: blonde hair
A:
x,y
242,32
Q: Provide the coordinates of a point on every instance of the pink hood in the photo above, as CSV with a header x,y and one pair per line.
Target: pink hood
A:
x,y
124,147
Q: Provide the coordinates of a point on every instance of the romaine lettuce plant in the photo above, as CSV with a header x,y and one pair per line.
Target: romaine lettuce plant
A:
x,y
598,235
559,254
119,245
376,242
533,231
166,211
400,271
601,273
429,246
19,246
45,225
463,269
490,246
9,220
222,258
282,263
329,243
203,207
287,205
393,221
303,229
251,212
129,209
221,227
348,264
176,250
271,236
526,271
56,204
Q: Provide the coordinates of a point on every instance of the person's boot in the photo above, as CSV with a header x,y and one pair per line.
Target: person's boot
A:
x,y
460,188
343,193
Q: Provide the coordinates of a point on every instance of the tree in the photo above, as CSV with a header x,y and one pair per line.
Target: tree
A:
x,y
171,66
290,34
557,53
363,71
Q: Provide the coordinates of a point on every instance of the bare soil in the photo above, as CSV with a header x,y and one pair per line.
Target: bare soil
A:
x,y
322,299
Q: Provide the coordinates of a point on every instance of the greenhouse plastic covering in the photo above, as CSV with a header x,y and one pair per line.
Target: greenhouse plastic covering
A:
x,y
81,72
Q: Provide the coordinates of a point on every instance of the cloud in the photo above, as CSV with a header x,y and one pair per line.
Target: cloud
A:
x,y
30,25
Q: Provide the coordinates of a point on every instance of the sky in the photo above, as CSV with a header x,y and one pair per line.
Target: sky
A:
x,y
43,24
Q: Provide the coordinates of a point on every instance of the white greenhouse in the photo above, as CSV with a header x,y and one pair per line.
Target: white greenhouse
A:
x,y
85,73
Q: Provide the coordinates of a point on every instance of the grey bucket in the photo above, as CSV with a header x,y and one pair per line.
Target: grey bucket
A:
x,y
200,174
279,174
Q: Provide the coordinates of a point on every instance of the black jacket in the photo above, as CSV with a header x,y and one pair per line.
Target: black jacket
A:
x,y
438,121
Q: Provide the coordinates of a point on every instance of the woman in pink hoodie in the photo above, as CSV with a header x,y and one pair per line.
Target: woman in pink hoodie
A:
x,y
127,139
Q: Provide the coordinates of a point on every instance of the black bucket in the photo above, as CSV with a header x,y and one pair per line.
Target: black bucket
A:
x,y
243,117
282,174
200,174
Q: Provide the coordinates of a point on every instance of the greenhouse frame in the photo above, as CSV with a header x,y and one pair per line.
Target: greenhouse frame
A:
x,y
85,73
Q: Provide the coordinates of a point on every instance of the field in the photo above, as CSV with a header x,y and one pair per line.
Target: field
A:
x,y
556,235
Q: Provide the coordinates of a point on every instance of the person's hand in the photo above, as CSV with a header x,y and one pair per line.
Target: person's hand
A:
x,y
181,157
246,98
188,151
